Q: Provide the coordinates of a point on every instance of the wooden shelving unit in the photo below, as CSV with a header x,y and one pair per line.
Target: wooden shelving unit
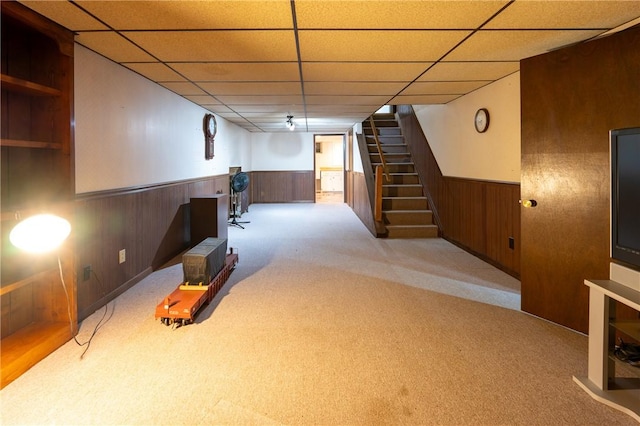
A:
x,y
37,292
602,382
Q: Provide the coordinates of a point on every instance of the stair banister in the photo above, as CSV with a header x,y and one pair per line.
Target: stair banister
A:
x,y
378,228
375,137
378,194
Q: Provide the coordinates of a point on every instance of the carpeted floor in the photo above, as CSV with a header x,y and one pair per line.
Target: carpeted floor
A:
x,y
320,324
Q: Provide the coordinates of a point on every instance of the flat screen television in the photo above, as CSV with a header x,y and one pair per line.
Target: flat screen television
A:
x,y
625,196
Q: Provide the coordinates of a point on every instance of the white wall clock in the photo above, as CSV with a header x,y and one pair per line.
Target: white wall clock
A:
x,y
210,127
482,120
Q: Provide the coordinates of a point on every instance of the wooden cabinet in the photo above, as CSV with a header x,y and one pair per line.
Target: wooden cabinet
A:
x,y
209,217
37,292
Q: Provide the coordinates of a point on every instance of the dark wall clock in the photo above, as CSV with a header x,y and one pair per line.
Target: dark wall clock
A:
x,y
210,127
481,120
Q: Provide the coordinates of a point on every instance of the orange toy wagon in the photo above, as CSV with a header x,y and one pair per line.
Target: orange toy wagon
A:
x,y
182,305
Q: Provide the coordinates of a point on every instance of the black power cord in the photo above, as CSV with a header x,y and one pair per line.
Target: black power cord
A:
x,y
98,325
628,352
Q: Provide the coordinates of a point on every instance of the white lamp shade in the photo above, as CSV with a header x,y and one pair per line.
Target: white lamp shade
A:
x,y
40,233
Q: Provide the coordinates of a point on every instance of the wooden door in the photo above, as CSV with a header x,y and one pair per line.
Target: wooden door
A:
x,y
570,100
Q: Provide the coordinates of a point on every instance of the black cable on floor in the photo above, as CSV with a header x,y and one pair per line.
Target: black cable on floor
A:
x,y
100,323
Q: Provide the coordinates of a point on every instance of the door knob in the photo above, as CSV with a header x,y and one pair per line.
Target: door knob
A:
x,y
528,203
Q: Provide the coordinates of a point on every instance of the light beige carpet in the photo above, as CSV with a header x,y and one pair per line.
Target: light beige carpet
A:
x,y
320,324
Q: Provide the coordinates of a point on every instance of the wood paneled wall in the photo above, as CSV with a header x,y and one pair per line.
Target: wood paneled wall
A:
x,y
570,100
479,216
150,223
282,186
358,199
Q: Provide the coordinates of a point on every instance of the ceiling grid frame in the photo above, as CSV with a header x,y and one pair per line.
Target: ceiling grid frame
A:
x,y
243,59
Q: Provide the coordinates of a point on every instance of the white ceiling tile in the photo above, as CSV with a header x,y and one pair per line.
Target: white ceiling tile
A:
x,y
422,99
515,45
352,88
371,14
247,88
260,100
465,71
363,71
354,55
219,46
233,72
183,88
376,45
566,14
443,87
66,14
156,71
180,14
113,46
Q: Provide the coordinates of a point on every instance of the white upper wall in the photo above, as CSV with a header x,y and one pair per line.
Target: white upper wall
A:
x,y
282,151
130,131
463,152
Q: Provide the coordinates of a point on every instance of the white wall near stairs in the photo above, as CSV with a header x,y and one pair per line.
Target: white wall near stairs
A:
x,y
463,152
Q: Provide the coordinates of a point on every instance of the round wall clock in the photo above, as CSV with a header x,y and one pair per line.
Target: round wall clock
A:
x,y
482,120
210,127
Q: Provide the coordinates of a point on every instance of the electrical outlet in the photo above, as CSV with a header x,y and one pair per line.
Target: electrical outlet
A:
x,y
86,273
122,256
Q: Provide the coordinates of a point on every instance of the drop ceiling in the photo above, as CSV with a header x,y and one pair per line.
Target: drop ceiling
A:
x,y
329,64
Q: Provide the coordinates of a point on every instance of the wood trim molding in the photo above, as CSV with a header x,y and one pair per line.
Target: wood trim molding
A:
x,y
139,188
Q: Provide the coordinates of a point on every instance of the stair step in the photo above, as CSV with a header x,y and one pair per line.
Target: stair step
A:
x,y
384,138
404,203
384,116
408,217
402,190
389,122
412,231
388,148
405,210
405,167
403,178
382,131
392,157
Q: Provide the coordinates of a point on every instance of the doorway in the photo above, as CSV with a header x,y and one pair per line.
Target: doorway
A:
x,y
329,168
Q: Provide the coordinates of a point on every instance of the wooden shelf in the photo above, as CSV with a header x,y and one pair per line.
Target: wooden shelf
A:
x,y
602,383
37,176
8,288
24,86
26,347
629,327
30,144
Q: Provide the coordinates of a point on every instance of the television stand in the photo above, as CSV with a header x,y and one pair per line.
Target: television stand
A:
x,y
602,384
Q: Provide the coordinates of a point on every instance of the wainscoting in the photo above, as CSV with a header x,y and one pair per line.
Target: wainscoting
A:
x,y
482,217
282,186
150,223
358,199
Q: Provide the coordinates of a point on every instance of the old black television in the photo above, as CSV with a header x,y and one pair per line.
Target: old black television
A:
x,y
625,197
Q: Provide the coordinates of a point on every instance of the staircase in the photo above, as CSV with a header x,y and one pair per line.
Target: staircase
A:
x,y
405,210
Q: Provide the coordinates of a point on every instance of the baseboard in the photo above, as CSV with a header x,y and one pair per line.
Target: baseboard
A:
x,y
115,293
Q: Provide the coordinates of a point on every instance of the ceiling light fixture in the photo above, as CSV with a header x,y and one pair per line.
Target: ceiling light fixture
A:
x,y
290,124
